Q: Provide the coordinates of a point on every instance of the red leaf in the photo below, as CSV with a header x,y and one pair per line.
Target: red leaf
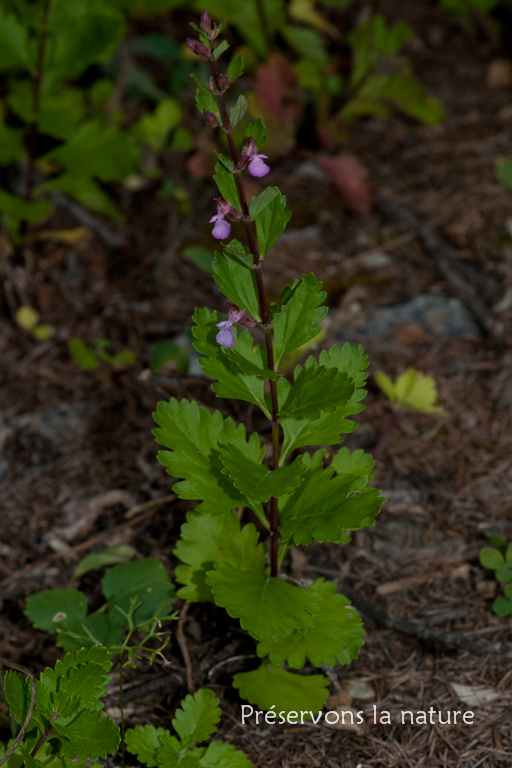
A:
x,y
274,82
350,178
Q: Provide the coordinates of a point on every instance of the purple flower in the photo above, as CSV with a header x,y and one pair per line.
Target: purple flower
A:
x,y
249,157
222,227
257,167
226,335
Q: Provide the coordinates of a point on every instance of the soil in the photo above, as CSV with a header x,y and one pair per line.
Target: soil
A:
x,y
77,445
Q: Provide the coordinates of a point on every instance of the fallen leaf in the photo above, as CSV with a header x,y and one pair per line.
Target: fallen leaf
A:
x,y
340,699
347,720
350,177
475,695
358,689
274,82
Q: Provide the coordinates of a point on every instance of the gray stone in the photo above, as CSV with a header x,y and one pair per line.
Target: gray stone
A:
x,y
438,315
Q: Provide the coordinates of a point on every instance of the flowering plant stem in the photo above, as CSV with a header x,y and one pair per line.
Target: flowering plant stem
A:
x,y
262,303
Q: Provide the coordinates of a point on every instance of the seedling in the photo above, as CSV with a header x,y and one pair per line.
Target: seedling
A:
x,y
412,391
498,558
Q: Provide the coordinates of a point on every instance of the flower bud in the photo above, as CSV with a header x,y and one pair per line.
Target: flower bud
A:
x,y
206,22
223,82
211,119
199,49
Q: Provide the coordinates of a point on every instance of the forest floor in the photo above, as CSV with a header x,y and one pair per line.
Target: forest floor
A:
x,y
78,467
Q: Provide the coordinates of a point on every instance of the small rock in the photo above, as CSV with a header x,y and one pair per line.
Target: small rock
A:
x,y
375,260
499,74
437,315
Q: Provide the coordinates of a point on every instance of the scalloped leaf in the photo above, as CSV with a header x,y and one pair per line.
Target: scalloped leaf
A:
x,y
197,717
233,383
267,607
270,686
327,429
324,507
219,755
206,540
297,320
271,222
235,278
337,636
143,741
196,438
88,735
411,390
257,481
316,391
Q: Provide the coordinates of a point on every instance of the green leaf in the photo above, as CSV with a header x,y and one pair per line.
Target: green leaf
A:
x,y
236,279
250,359
237,112
205,101
60,112
327,429
148,580
89,735
306,42
226,183
257,481
14,43
357,464
17,691
316,390
499,542
219,50
104,557
171,755
502,607
206,540
337,636
143,741
324,507
491,558
82,354
503,170
11,144
82,33
200,257
168,351
219,755
271,222
297,320
103,151
267,607
202,86
257,131
412,390
196,438
153,130
197,717
52,609
235,68
22,210
233,382
270,686
260,202
85,191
